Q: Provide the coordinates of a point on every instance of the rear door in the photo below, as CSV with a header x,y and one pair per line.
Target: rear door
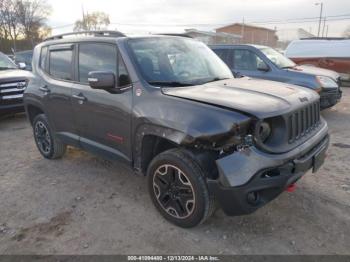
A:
x,y
103,117
57,64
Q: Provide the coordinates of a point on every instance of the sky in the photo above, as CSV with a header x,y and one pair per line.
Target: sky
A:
x,y
160,16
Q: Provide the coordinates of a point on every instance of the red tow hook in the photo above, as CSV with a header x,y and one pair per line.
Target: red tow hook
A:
x,y
291,188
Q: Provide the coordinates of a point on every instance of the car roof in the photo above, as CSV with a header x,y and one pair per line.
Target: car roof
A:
x,y
109,39
240,45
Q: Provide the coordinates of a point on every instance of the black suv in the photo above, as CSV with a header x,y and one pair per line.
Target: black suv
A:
x,y
171,109
13,82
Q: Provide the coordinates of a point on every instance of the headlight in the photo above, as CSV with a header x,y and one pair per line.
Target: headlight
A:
x,y
326,82
264,131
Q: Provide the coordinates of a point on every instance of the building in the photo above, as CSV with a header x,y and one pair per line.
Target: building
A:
x,y
211,38
285,36
251,34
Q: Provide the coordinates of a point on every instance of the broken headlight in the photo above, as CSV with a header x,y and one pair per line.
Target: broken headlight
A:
x,y
264,131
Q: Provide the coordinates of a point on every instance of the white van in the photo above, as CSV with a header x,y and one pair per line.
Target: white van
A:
x,y
329,53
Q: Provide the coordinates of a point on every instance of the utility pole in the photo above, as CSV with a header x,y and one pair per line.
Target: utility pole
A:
x,y
324,26
320,20
84,22
242,32
327,30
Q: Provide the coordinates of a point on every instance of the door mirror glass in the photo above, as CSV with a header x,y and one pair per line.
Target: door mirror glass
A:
x,y
101,80
22,65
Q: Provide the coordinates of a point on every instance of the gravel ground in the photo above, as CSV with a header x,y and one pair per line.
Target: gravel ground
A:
x,y
83,204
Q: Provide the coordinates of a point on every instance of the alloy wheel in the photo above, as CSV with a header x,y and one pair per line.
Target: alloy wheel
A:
x,y
42,136
174,191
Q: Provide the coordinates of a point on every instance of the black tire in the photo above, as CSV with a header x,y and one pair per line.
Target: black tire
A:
x,y
48,145
172,175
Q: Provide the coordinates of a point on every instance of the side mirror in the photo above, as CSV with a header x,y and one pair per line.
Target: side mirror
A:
x,y
263,67
101,80
22,65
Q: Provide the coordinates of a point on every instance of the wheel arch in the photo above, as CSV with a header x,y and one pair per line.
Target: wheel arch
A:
x,y
33,108
151,140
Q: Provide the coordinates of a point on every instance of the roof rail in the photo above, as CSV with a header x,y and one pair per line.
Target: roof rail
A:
x,y
175,34
325,38
106,33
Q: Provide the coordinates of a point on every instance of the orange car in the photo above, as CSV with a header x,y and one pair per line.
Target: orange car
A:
x,y
329,53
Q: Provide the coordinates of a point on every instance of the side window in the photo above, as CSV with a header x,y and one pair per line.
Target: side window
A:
x,y
61,64
123,76
43,58
96,57
225,56
246,60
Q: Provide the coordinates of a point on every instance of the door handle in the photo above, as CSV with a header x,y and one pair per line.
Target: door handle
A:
x,y
44,89
80,98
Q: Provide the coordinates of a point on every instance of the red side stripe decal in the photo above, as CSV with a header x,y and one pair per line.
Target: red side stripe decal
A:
x,y
115,138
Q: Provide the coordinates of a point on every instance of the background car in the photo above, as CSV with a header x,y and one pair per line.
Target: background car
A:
x,y
13,82
266,63
329,53
24,57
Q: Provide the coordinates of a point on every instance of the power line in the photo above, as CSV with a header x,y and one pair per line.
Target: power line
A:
x,y
280,21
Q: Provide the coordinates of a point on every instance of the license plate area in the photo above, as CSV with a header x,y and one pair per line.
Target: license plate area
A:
x,y
313,161
318,159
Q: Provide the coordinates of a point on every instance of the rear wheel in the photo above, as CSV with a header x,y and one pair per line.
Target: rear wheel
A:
x,y
49,146
178,189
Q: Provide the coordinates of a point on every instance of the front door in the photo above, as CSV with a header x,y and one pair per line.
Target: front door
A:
x,y
103,117
246,62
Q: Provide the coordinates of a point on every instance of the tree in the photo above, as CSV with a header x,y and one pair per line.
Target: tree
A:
x,y
93,21
24,19
32,17
9,20
347,32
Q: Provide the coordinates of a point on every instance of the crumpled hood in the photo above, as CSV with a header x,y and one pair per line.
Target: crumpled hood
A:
x,y
314,70
6,75
261,98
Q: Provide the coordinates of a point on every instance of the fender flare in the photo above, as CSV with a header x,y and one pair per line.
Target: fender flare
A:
x,y
30,101
174,136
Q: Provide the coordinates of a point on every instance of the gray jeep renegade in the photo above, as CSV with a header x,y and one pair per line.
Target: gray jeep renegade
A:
x,y
172,110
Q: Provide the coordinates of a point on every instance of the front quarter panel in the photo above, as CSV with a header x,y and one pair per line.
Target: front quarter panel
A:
x,y
183,122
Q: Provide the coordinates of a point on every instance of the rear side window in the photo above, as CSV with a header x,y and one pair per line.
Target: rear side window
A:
x,y
225,55
61,64
96,57
43,58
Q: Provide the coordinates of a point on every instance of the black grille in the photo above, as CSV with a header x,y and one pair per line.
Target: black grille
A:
x,y
303,121
12,91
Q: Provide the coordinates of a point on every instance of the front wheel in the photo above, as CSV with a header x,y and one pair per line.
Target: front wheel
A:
x,y
178,189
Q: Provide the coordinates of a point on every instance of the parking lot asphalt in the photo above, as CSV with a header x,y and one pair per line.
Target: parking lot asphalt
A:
x,y
82,204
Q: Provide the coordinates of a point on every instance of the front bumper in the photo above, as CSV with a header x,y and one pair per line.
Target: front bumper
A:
x,y
11,108
250,179
330,98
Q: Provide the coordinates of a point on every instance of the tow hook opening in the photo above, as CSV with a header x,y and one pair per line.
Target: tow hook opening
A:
x,y
253,198
271,173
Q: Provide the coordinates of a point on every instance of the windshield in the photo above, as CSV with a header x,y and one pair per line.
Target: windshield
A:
x,y
175,61
6,63
277,58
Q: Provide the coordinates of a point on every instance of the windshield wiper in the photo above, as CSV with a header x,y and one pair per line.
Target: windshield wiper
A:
x,y
216,79
170,83
287,67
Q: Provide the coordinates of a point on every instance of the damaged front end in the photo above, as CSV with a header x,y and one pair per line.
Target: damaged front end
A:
x,y
258,159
